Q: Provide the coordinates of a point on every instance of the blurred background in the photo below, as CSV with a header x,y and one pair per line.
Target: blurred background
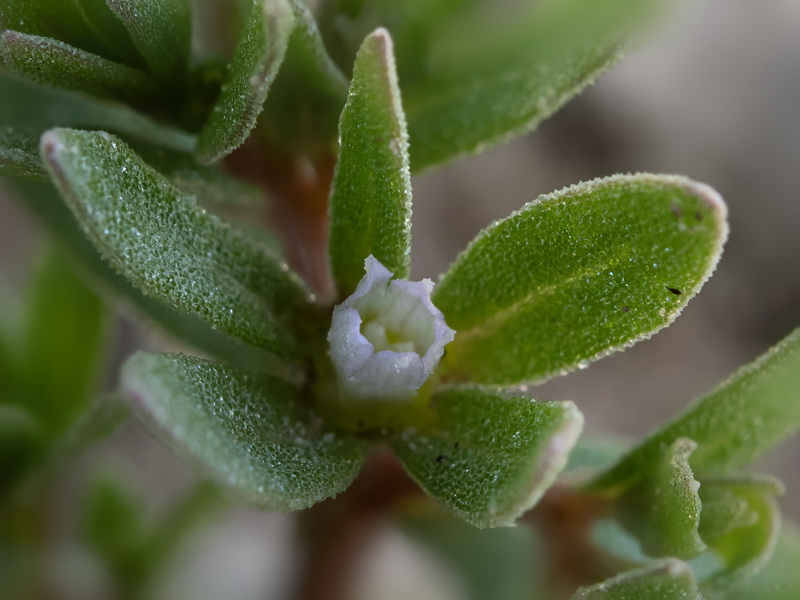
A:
x,y
713,94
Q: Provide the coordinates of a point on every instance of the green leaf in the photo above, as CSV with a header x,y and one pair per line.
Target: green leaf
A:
x,y
724,509
745,549
40,108
64,337
246,430
779,579
755,409
19,155
305,104
664,511
161,31
51,62
499,564
578,274
489,455
370,205
211,186
259,54
21,445
520,66
85,24
665,580
169,248
45,204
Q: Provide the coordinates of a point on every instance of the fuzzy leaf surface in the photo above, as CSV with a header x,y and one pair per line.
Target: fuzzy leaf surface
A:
x,y
86,24
522,63
41,108
779,579
52,62
168,247
19,155
305,103
245,429
370,205
259,54
664,512
745,549
665,580
489,455
45,205
578,274
743,417
161,30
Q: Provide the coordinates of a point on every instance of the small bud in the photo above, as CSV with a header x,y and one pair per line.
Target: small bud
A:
x,y
387,338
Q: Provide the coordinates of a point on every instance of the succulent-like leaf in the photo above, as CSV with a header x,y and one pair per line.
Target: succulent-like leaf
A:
x,y
578,274
664,511
259,54
499,564
489,455
41,108
779,579
370,205
19,155
246,430
168,247
520,66
755,409
743,550
85,24
161,31
64,336
665,580
45,204
52,62
304,106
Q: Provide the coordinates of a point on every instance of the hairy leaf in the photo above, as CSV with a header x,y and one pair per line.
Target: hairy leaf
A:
x,y
370,205
664,511
85,24
259,54
489,455
744,550
19,155
665,580
168,247
739,420
45,204
522,63
578,274
304,105
41,108
245,429
161,31
779,579
51,62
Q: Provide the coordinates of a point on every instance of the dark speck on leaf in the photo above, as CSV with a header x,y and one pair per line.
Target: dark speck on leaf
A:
x,y
441,459
698,215
675,291
456,445
625,309
676,210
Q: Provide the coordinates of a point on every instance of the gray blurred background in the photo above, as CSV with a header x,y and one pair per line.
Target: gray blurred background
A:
x,y
714,94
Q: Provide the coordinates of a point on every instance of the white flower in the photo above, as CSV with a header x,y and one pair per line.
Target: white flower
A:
x,y
387,338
